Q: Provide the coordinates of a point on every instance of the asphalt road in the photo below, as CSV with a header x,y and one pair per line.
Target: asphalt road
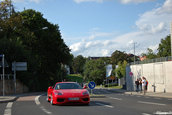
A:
x,y
113,103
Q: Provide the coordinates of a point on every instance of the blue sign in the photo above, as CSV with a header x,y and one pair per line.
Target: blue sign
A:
x,y
92,85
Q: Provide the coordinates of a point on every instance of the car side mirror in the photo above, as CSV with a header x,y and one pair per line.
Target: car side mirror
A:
x,y
51,87
85,87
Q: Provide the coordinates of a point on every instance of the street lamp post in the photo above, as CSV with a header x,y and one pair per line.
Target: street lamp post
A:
x,y
3,73
171,39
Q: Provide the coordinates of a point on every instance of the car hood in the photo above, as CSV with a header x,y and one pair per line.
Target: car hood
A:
x,y
72,92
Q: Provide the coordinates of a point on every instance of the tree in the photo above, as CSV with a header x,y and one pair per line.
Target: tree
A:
x,y
78,64
150,54
164,48
22,38
95,71
121,69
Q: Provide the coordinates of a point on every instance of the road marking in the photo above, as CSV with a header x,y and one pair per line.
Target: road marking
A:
x,y
104,105
115,98
151,103
8,108
37,100
46,111
163,113
38,103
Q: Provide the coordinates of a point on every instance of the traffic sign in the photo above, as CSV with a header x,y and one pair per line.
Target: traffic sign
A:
x,y
92,85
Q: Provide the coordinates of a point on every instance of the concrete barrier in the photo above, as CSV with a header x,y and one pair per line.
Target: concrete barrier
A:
x,y
159,76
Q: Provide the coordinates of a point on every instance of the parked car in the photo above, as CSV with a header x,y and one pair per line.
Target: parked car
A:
x,y
68,93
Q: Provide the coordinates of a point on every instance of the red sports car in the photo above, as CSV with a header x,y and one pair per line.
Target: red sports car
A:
x,y
68,93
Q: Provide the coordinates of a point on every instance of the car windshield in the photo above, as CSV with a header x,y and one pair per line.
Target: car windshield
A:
x,y
68,86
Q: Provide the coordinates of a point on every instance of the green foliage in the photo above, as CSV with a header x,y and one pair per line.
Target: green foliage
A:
x,y
78,64
164,48
95,71
22,38
150,54
75,78
121,69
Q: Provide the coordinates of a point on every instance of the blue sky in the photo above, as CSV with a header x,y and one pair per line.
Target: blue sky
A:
x,y
99,27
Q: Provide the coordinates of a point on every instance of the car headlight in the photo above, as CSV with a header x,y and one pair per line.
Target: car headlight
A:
x,y
85,93
58,93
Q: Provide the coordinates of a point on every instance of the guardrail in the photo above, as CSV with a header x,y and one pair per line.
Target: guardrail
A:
x,y
162,59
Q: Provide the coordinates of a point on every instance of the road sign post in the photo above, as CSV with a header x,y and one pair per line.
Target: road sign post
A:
x,y
18,66
3,73
91,85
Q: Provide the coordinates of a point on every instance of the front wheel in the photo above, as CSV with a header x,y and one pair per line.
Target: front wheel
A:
x,y
47,99
51,100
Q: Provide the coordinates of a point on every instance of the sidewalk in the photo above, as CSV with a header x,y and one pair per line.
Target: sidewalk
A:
x,y
11,98
151,94
5,99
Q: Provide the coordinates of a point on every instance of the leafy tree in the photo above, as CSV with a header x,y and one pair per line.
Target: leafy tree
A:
x,y
150,54
121,70
164,48
22,38
95,71
78,64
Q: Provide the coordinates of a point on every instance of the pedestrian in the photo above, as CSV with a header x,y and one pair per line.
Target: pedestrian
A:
x,y
140,84
137,85
144,85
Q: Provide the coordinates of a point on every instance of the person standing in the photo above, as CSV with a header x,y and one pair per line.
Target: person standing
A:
x,y
137,85
140,83
144,85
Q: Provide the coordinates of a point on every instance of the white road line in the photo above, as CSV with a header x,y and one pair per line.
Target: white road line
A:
x,y
37,100
38,103
8,108
104,105
45,110
151,103
163,113
115,98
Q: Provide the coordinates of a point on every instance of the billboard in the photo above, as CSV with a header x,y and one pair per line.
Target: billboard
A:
x,y
108,70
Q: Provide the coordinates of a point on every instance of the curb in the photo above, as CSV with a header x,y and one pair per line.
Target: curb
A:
x,y
148,95
97,96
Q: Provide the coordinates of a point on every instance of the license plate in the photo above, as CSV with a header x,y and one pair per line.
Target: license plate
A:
x,y
73,99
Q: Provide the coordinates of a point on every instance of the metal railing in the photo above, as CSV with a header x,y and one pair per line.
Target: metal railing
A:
x,y
162,59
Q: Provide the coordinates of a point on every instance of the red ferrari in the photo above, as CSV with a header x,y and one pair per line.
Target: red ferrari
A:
x,y
68,93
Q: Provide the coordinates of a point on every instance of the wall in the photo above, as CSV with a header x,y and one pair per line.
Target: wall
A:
x,y
9,87
158,74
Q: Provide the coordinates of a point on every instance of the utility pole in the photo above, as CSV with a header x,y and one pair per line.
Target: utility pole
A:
x,y
3,73
134,52
171,39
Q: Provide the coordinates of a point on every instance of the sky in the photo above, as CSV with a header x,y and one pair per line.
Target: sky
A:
x,y
100,27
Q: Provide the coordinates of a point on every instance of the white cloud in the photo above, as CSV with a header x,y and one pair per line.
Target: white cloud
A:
x,y
152,27
134,1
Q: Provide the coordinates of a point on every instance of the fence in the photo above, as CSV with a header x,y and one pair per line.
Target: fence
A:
x,y
162,59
